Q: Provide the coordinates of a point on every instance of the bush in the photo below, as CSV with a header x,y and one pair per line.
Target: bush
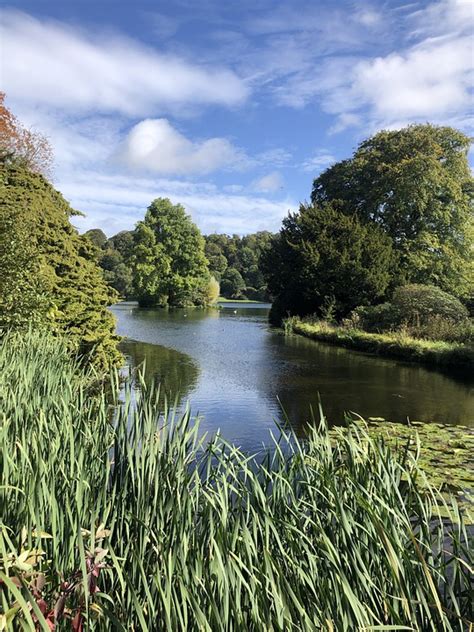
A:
x,y
422,311
439,328
212,291
376,318
417,304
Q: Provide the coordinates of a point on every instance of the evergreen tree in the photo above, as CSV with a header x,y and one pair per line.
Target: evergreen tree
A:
x,y
325,260
48,272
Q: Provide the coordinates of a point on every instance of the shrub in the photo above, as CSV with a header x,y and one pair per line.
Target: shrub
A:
x,y
212,291
422,311
416,304
376,318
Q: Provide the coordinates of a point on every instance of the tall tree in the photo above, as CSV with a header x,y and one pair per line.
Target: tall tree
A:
x,y
323,258
48,272
416,184
169,264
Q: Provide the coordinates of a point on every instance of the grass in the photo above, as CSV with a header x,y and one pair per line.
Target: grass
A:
x,y
395,345
221,299
118,515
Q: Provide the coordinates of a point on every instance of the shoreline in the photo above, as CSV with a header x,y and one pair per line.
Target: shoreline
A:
x,y
397,346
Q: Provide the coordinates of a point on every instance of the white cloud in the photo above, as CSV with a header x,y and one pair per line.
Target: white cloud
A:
x,y
53,64
154,145
320,160
428,80
116,203
269,184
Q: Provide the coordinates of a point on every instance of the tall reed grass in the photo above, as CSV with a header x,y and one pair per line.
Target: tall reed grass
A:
x,y
116,515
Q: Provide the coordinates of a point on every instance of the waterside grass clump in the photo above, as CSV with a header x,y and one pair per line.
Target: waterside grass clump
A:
x,y
397,344
117,515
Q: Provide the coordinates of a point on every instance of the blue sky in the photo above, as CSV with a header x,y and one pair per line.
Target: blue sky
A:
x,y
231,108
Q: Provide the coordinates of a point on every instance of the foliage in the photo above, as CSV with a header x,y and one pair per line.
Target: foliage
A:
x,y
169,264
416,304
212,291
97,237
160,531
113,256
415,183
444,453
324,259
48,273
22,144
232,284
241,254
396,344
423,311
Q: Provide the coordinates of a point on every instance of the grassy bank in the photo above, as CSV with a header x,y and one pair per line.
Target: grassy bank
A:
x,y
221,299
394,345
119,516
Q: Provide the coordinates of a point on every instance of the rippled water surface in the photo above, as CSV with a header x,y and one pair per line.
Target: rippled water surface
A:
x,y
238,373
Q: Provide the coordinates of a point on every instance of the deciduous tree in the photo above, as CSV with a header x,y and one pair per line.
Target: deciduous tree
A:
x,y
416,184
20,143
169,264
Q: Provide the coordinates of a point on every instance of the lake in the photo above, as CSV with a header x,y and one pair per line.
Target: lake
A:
x,y
239,374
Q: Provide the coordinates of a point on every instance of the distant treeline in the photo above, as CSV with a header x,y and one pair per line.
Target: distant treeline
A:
x,y
235,262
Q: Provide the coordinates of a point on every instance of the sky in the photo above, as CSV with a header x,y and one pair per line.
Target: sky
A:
x,y
230,108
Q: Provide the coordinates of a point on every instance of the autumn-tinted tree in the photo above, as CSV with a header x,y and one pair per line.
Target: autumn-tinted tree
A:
x,y
169,264
48,272
19,143
323,258
415,183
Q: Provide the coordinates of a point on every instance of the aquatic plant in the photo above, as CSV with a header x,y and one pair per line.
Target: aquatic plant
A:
x,y
116,514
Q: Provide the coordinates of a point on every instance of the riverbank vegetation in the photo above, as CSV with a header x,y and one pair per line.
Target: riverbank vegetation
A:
x,y
125,517
421,323
396,344
234,262
383,258
48,274
117,513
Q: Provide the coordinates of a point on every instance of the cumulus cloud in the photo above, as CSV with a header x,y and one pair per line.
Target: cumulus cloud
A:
x,y
269,184
56,65
155,145
117,202
429,79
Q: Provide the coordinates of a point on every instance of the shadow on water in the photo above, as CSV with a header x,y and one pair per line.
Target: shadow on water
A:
x,y
235,371
176,373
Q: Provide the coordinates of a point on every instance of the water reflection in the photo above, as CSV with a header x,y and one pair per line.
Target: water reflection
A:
x,y
234,370
176,373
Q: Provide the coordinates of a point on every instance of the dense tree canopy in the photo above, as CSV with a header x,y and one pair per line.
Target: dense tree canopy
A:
x,y
113,256
48,273
168,260
236,261
324,260
415,183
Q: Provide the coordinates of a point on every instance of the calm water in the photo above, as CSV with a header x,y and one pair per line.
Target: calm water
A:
x,y
238,374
